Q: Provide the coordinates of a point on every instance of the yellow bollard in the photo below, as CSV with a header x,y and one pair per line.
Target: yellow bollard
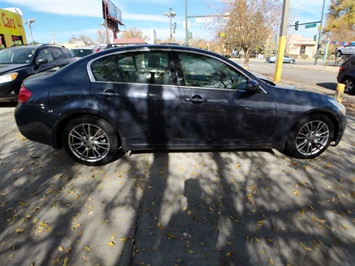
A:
x,y
339,93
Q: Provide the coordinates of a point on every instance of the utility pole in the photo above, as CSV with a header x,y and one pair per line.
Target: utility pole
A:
x,y
319,33
170,15
186,26
53,36
282,41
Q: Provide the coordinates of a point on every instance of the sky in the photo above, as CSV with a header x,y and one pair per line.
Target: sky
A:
x,y
59,20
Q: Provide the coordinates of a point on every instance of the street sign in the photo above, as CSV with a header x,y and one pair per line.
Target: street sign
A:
x,y
311,25
204,19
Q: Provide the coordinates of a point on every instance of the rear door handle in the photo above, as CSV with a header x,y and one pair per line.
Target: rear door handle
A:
x,y
108,93
197,99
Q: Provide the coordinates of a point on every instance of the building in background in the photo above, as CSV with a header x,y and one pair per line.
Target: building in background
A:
x,y
301,47
12,31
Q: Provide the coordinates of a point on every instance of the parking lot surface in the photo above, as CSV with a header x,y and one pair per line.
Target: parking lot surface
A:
x,y
210,208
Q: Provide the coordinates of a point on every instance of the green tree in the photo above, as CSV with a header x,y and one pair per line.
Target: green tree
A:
x,y
247,24
340,23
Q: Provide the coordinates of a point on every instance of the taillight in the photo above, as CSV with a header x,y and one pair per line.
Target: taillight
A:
x,y
24,94
340,69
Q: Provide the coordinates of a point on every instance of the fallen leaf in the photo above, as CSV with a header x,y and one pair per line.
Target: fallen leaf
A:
x,y
19,230
160,226
190,251
170,236
271,261
111,244
66,260
124,239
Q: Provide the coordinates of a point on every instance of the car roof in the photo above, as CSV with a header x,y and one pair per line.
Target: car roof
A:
x,y
140,47
83,47
35,46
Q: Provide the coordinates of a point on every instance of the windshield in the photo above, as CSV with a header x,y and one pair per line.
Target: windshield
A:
x,y
16,55
81,52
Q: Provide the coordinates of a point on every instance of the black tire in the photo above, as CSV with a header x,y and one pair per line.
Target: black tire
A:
x,y
310,137
292,61
349,83
91,140
339,54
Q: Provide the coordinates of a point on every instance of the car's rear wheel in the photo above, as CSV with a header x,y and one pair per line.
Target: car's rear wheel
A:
x,y
349,83
310,137
90,140
339,53
292,61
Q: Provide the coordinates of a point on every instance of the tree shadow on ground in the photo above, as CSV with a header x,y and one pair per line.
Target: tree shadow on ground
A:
x,y
231,208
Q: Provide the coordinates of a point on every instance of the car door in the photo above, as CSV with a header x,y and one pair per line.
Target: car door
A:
x,y
60,59
44,53
216,107
138,90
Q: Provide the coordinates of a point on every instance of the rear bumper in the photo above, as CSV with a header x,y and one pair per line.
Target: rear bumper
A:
x,y
26,117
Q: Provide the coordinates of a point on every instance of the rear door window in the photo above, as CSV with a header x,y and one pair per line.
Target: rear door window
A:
x,y
140,67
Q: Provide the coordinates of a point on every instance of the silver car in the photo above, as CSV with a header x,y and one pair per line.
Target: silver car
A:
x,y
345,50
287,59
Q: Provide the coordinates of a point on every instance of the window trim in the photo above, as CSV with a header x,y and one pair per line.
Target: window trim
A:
x,y
174,52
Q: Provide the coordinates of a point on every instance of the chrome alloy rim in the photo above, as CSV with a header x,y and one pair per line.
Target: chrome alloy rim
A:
x,y
348,85
89,142
312,137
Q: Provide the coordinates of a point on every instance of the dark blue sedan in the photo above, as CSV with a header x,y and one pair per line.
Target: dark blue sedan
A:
x,y
153,97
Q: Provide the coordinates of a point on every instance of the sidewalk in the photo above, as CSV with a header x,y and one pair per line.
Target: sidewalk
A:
x,y
213,208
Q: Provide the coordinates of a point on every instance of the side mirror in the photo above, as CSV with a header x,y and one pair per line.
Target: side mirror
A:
x,y
252,86
41,61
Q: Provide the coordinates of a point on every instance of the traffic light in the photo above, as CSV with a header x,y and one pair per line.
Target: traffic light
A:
x,y
314,37
190,35
296,25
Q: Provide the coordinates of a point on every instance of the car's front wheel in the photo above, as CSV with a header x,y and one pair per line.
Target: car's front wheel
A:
x,y
349,83
91,140
339,53
310,137
292,61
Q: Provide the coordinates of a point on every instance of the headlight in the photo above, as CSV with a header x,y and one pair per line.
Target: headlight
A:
x,y
8,77
339,106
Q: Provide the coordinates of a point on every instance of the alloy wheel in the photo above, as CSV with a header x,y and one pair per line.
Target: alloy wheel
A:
x,y
312,137
89,142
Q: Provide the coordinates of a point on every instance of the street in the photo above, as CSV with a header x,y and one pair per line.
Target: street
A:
x,y
178,208
299,72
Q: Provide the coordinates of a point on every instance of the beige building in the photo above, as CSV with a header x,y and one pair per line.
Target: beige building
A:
x,y
300,47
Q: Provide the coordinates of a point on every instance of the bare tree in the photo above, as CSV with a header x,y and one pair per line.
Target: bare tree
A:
x,y
247,24
133,33
101,35
85,39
